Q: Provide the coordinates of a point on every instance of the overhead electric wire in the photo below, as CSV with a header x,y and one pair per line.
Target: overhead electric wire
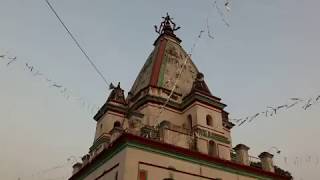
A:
x,y
78,44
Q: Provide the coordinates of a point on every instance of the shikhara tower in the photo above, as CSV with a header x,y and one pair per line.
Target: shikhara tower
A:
x,y
137,137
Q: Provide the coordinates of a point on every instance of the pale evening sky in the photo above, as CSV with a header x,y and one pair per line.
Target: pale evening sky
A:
x,y
269,54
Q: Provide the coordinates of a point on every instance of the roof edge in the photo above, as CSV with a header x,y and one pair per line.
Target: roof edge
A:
x,y
125,139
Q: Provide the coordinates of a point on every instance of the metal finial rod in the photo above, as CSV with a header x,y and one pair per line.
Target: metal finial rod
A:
x,y
166,26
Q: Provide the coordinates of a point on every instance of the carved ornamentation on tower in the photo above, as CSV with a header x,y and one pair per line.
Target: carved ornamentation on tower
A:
x,y
117,95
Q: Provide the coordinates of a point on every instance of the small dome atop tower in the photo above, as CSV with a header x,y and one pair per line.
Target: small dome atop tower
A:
x,y
199,85
117,94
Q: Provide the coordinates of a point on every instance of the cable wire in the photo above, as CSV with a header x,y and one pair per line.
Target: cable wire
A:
x,y
77,43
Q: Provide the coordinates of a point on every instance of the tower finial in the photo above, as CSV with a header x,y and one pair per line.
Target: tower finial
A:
x,y
167,26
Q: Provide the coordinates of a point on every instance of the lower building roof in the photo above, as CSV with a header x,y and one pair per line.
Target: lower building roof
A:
x,y
129,140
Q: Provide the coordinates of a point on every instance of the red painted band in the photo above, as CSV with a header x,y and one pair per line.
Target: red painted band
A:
x,y
158,61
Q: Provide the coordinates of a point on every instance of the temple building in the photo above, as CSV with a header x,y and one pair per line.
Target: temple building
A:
x,y
170,126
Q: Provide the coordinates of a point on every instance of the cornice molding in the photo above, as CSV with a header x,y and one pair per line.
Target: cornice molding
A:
x,y
132,141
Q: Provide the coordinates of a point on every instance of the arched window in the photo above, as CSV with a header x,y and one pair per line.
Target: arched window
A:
x,y
116,124
209,120
212,148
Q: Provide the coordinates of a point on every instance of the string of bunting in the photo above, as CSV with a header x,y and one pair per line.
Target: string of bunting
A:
x,y
296,161
67,93
39,174
222,13
301,161
274,110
